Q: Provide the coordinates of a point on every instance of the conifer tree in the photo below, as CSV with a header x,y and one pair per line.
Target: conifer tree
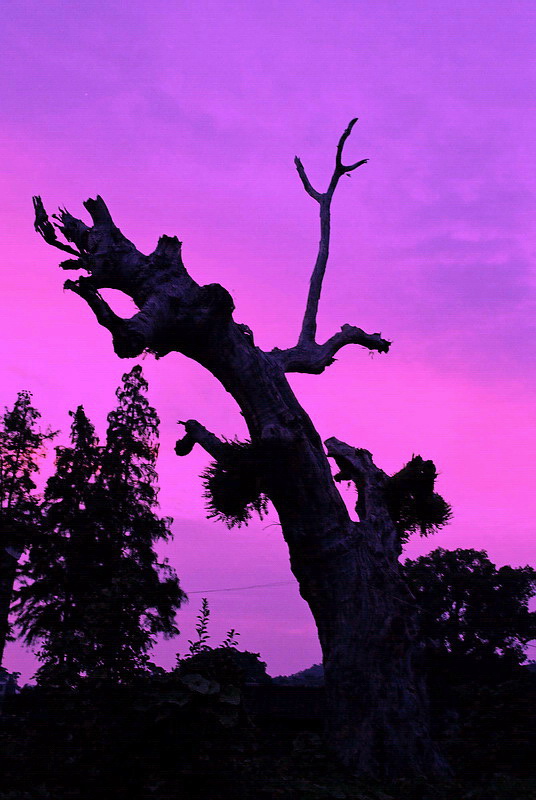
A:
x,y
95,594
140,594
59,579
21,445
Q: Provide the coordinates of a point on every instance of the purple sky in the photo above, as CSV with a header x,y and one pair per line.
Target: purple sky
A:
x,y
186,116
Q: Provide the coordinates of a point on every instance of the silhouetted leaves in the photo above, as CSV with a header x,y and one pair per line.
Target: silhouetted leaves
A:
x,y
233,486
473,616
21,445
413,503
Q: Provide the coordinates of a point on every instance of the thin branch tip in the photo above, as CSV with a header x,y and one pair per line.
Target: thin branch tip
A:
x,y
307,185
47,229
309,324
340,168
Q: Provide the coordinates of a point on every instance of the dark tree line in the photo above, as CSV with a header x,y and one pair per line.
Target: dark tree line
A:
x,y
92,593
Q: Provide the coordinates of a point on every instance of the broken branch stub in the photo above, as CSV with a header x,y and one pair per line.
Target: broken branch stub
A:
x,y
174,311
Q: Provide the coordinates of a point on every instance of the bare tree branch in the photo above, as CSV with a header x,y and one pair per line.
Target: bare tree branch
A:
x,y
85,289
45,228
73,229
306,182
314,358
99,213
128,338
308,331
354,463
350,334
174,309
340,168
198,434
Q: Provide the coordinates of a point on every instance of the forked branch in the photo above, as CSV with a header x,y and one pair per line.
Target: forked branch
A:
x,y
308,355
175,313
314,358
308,331
46,228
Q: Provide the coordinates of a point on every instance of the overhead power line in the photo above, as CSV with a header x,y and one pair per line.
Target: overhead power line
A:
x,y
241,588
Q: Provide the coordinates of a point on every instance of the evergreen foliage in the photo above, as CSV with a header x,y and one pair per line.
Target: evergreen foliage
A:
x,y
141,595
412,501
21,446
94,593
232,485
54,600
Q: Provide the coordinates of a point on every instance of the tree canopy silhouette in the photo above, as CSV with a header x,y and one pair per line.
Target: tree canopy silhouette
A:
x,y
474,617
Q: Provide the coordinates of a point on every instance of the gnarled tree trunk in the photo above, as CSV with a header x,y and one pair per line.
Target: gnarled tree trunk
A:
x,y
347,571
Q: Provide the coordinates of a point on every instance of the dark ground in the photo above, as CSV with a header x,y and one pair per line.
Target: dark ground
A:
x,y
162,740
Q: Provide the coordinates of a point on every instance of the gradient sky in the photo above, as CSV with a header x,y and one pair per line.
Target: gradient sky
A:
x,y
186,117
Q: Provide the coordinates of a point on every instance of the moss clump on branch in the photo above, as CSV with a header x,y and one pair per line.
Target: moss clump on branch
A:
x,y
233,485
412,501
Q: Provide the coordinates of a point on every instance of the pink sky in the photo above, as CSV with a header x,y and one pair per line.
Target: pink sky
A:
x,y
186,117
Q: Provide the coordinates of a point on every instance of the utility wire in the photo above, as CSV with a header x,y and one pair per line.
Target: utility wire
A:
x,y
277,583
241,588
288,583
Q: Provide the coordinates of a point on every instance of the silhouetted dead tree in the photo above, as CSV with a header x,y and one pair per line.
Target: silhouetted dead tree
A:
x,y
347,571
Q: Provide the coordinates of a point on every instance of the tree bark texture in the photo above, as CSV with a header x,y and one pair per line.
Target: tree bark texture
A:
x,y
347,571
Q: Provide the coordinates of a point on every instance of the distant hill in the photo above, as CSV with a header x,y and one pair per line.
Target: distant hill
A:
x,y
313,676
